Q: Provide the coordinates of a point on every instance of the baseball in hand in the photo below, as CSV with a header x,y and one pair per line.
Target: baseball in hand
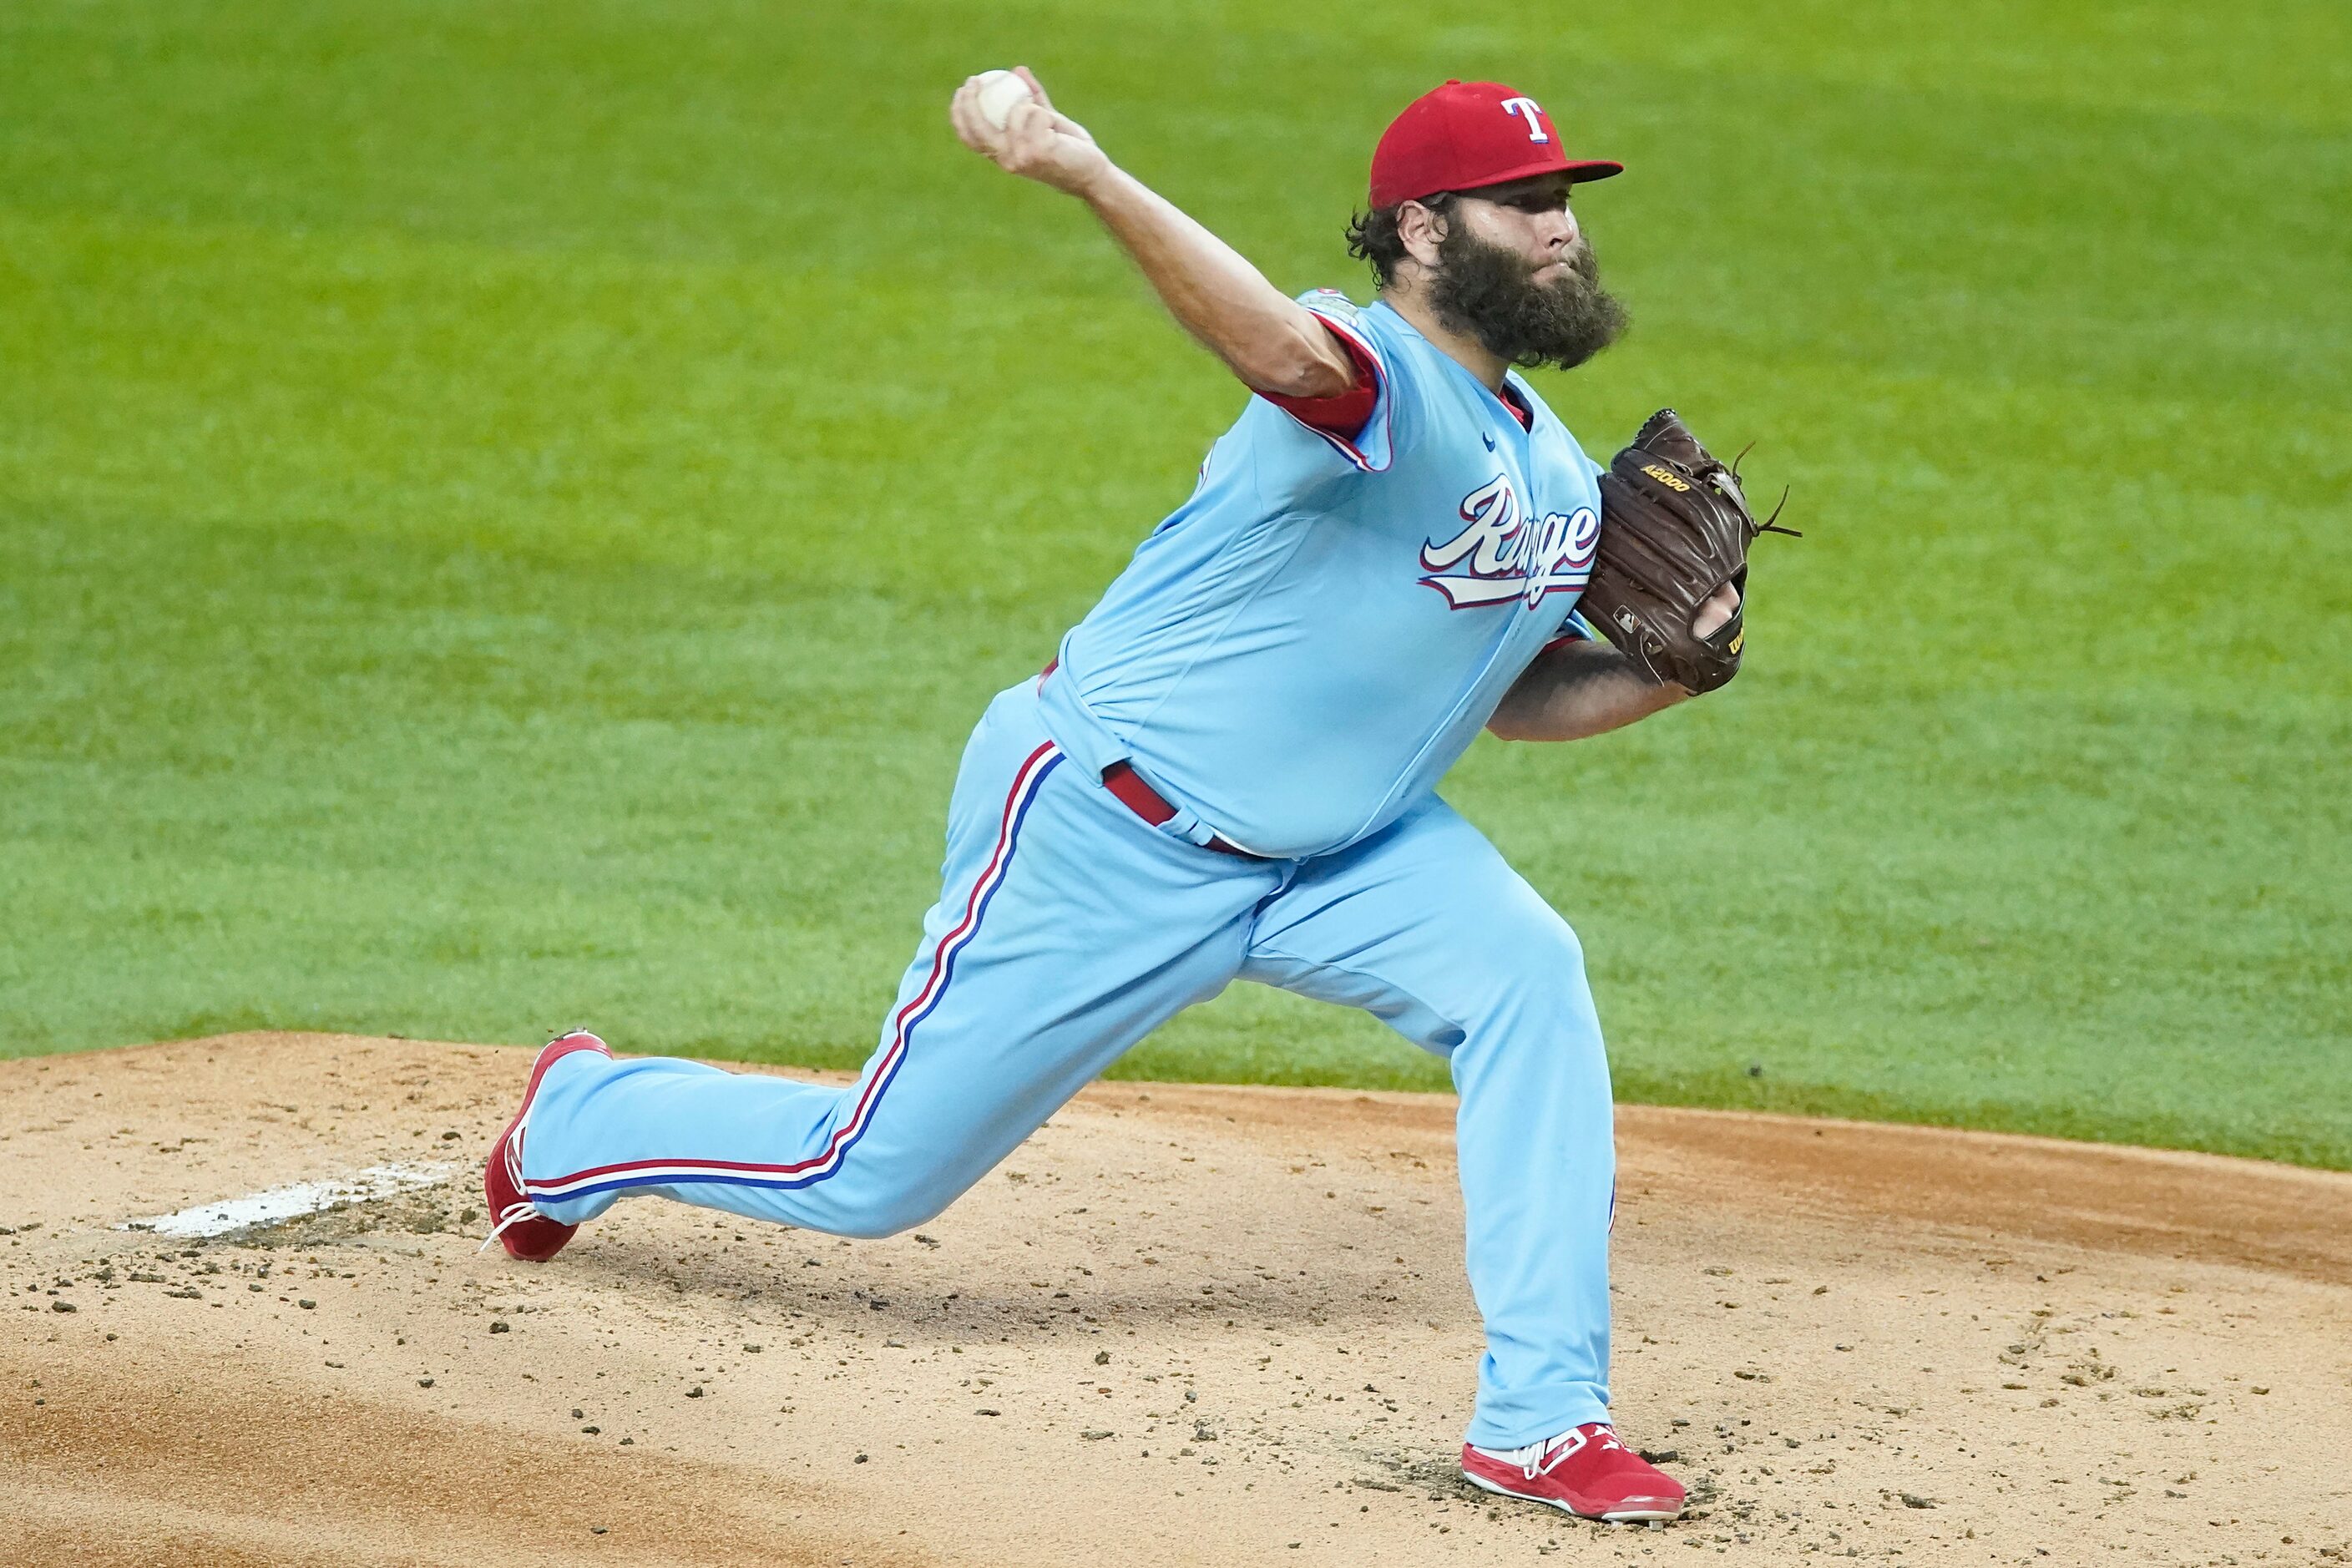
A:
x,y
999,91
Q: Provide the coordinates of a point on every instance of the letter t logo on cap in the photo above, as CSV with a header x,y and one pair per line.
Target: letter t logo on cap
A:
x,y
1528,109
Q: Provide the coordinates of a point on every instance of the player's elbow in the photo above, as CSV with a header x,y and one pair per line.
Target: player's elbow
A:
x,y
1297,365
1303,380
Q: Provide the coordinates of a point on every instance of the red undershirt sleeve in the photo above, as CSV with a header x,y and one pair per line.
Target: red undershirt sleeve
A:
x,y
1342,415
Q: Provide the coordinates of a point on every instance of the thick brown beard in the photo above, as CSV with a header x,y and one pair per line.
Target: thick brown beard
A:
x,y
1488,292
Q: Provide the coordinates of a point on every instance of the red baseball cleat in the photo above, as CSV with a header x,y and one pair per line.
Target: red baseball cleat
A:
x,y
525,1232
1585,1470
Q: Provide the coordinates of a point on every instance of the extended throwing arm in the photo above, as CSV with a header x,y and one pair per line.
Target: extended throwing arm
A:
x,y
1270,341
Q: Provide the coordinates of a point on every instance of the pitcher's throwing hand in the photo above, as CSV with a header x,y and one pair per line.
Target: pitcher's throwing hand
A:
x,y
1037,141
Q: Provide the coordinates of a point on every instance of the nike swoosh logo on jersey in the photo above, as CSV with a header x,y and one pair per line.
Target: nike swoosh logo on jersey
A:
x,y
1488,439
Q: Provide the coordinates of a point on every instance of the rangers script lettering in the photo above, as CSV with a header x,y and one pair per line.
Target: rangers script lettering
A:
x,y
1507,560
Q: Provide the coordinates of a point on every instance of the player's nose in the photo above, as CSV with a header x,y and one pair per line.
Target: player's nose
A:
x,y
1558,229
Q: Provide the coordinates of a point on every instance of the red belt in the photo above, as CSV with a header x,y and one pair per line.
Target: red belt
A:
x,y
1141,798
1147,802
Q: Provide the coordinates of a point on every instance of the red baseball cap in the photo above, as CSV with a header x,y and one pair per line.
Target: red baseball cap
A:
x,y
1467,134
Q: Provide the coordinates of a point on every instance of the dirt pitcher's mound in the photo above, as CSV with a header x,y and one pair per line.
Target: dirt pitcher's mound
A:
x,y
1183,1325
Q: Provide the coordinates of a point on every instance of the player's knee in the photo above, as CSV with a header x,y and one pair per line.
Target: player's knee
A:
x,y
895,1207
1537,963
1562,951
1536,972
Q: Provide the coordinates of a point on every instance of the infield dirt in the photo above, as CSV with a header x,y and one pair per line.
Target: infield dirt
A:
x,y
1181,1325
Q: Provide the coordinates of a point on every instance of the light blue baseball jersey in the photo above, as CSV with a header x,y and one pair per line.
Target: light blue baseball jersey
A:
x,y
1305,647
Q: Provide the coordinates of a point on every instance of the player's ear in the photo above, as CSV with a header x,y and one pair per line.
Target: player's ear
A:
x,y
1420,229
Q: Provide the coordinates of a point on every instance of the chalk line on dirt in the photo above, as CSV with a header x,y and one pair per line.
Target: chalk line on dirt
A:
x,y
291,1201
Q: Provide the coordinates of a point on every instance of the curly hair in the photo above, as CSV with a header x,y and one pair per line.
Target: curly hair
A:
x,y
1372,237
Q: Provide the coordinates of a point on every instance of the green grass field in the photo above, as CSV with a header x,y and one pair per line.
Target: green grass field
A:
x,y
507,514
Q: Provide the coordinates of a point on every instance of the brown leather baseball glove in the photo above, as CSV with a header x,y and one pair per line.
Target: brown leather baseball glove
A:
x,y
1675,527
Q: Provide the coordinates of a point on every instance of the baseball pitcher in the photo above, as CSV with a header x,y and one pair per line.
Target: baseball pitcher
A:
x,y
1229,769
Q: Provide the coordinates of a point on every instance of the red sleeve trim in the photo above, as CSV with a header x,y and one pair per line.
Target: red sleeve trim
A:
x,y
1344,415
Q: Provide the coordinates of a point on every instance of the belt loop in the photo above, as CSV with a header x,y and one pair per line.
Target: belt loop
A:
x,y
1188,827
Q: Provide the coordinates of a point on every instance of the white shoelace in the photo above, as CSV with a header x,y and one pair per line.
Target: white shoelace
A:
x,y
513,1215
1541,1458
515,1212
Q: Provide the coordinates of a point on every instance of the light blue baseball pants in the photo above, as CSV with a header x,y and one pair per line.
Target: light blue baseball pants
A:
x,y
1066,930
